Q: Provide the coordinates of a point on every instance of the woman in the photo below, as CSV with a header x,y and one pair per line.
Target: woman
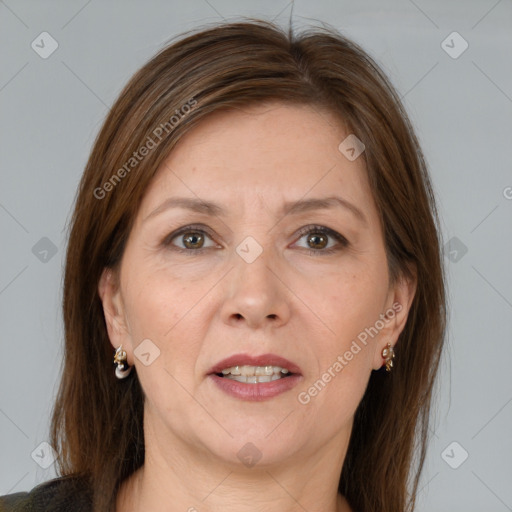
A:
x,y
255,237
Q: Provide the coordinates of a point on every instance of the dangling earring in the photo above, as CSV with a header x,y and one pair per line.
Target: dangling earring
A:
x,y
388,354
122,369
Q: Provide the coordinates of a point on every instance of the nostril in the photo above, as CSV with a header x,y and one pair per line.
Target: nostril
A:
x,y
273,317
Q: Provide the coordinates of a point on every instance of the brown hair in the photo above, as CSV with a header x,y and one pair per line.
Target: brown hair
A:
x,y
97,425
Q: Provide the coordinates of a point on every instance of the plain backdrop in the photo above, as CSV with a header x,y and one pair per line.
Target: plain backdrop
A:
x,y
458,91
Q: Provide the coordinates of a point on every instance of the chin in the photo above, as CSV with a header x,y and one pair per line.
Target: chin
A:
x,y
253,445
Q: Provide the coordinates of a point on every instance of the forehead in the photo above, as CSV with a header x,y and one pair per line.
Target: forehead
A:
x,y
265,153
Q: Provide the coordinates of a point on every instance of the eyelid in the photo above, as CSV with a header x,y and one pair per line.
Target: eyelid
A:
x,y
184,229
315,228
312,228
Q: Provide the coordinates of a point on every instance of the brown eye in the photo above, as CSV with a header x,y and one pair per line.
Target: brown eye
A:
x,y
321,240
317,241
190,239
193,240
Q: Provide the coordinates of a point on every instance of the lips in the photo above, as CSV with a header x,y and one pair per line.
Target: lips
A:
x,y
248,360
255,391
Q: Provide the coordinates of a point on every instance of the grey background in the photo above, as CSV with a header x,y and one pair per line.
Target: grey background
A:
x,y
51,110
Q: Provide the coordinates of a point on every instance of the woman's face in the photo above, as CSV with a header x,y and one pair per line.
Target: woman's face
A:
x,y
257,244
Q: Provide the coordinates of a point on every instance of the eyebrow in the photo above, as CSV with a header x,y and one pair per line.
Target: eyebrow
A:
x,y
289,207
306,205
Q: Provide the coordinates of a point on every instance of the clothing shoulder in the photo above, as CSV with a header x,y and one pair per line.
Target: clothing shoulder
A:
x,y
63,494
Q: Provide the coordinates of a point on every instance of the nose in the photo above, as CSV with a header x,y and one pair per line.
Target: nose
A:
x,y
254,296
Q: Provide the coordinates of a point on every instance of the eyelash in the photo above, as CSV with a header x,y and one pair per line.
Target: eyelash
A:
x,y
343,242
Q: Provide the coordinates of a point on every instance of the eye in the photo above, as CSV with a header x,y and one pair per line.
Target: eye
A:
x,y
317,239
321,240
190,239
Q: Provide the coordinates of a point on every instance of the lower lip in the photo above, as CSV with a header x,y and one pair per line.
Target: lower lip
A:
x,y
256,392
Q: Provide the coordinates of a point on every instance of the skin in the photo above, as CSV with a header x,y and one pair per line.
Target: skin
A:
x,y
201,307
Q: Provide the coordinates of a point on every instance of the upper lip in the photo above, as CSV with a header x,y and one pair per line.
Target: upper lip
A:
x,y
261,360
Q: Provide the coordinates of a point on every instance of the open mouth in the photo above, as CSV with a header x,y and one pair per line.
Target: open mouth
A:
x,y
255,374
255,378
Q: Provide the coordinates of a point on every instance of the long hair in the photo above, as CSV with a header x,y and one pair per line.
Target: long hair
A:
x,y
97,423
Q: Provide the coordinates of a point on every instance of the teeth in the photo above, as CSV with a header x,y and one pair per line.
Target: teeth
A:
x,y
254,374
254,371
254,379
263,370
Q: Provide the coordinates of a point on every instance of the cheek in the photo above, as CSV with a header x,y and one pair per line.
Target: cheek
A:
x,y
158,311
335,391
152,307
160,316
331,398
158,300
351,301
349,304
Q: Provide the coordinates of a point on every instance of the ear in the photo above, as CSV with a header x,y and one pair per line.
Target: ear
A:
x,y
396,311
113,309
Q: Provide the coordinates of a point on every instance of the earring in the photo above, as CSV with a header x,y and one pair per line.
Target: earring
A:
x,y
388,354
122,369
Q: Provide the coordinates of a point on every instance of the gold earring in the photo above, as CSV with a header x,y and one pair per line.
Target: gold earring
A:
x,y
122,369
388,354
